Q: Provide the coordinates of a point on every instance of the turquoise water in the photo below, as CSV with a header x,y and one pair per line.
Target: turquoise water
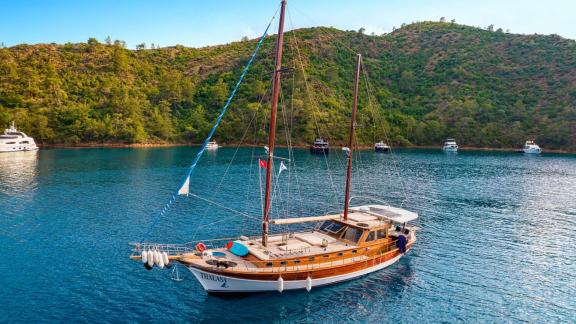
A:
x,y
498,237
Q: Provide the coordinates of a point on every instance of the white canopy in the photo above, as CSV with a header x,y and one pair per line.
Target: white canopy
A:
x,y
285,221
394,214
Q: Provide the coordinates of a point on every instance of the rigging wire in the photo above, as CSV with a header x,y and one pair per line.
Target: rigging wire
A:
x,y
218,187
222,206
209,137
314,105
341,44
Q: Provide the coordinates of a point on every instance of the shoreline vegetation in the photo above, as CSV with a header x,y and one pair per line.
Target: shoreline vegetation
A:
x,y
426,81
300,146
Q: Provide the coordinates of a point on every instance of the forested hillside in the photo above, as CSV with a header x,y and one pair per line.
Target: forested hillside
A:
x,y
428,81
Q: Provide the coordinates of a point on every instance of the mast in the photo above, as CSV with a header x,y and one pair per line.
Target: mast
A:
x,y
351,142
272,133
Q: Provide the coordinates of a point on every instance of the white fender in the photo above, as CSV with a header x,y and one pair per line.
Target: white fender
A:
x,y
160,260
157,257
144,256
166,260
150,258
308,283
280,284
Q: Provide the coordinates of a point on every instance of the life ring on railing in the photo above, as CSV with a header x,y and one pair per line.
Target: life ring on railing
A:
x,y
200,247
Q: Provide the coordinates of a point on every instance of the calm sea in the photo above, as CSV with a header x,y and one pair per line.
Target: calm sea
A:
x,y
497,240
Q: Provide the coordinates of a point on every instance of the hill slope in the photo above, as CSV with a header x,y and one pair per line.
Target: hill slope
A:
x,y
428,80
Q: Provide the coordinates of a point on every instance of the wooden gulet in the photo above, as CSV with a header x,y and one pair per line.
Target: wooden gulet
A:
x,y
358,241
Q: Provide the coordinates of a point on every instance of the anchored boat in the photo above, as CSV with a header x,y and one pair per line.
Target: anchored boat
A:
x,y
320,146
14,140
450,145
341,246
212,146
531,148
381,147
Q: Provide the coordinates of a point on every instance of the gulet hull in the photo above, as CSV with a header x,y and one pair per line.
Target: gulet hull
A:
x,y
222,284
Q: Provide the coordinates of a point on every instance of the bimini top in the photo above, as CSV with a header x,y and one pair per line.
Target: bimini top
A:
x,y
394,214
367,214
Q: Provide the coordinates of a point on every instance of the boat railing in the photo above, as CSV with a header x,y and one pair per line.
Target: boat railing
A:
x,y
170,249
264,266
178,249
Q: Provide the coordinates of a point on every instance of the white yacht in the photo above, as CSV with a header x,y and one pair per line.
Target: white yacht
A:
x,y
212,145
381,147
450,145
531,148
14,140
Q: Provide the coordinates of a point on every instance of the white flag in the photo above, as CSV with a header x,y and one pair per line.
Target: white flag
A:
x,y
282,167
185,189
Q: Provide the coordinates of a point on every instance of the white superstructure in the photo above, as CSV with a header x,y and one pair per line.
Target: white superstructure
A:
x,y
531,148
212,145
450,145
381,147
14,140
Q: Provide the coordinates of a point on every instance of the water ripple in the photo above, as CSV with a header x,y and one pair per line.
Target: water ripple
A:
x,y
496,245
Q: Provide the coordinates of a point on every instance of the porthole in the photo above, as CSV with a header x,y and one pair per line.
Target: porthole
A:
x,y
269,264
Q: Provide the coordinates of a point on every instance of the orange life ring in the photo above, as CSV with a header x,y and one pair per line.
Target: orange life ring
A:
x,y
200,247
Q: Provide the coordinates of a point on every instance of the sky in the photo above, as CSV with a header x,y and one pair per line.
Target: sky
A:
x,y
210,22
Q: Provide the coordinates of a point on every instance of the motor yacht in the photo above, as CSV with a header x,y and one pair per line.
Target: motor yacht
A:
x,y
320,146
531,148
381,147
14,140
450,145
212,145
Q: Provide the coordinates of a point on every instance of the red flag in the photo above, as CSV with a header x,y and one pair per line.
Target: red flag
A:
x,y
263,164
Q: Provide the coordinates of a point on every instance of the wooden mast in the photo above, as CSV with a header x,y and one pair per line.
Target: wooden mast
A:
x,y
272,133
351,142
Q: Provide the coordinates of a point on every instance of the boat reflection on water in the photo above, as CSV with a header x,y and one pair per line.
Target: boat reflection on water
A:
x,y
17,171
296,305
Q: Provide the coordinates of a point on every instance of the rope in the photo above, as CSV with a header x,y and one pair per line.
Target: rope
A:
x,y
315,110
209,137
222,206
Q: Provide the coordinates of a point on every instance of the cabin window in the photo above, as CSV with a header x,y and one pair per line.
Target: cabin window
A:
x,y
371,236
24,142
353,234
380,234
340,254
311,259
283,263
296,261
331,227
326,256
354,251
10,142
269,264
